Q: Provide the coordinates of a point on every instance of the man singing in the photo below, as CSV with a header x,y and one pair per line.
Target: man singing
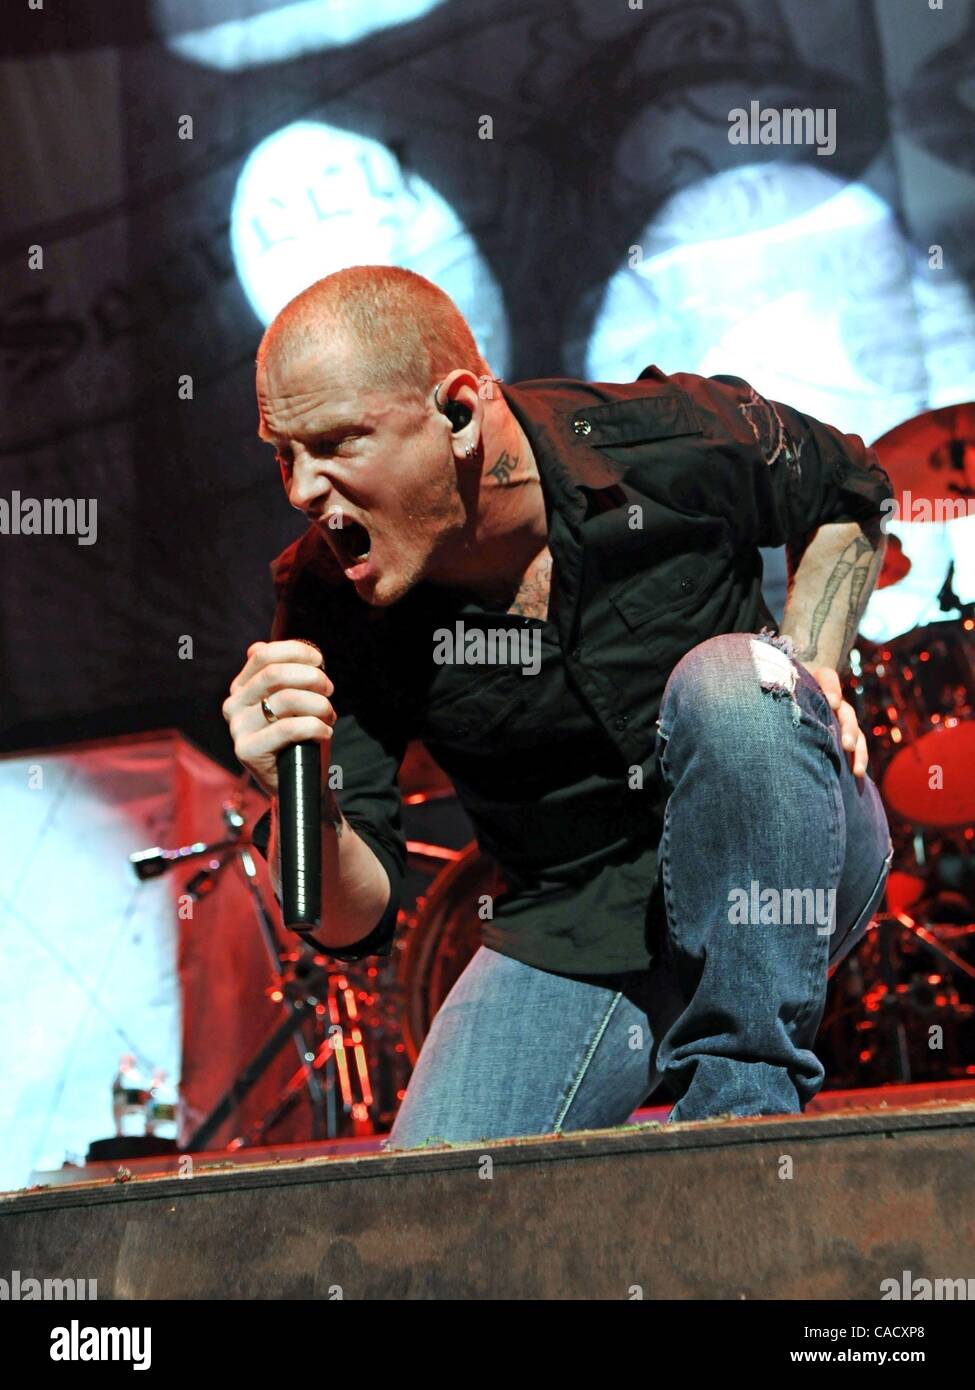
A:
x,y
674,790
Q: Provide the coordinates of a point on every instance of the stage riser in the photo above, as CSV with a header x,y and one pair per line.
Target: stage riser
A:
x,y
693,1213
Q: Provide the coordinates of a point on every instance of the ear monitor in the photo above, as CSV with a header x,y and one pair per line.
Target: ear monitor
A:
x,y
458,414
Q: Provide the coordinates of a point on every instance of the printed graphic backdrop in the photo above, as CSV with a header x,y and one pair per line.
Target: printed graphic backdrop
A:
x,y
332,131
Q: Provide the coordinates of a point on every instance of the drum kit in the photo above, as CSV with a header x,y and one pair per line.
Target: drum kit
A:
x,y
900,1007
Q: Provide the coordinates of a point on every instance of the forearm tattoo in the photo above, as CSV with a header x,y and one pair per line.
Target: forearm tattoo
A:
x,y
859,557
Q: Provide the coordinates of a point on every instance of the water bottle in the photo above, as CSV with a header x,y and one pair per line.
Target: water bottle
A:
x,y
129,1098
161,1112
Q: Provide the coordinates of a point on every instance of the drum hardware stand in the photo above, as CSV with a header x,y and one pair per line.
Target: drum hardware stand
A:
x,y
891,1003
948,600
310,973
311,990
926,934
293,981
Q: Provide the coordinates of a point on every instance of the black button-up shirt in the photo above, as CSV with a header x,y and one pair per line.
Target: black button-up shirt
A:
x,y
658,495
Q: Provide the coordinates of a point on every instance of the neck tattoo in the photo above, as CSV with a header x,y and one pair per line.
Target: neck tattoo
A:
x,y
504,467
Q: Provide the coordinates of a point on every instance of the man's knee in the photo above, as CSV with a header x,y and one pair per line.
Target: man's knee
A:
x,y
720,667
736,671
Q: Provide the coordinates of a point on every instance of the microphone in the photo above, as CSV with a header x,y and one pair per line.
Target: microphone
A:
x,y
300,833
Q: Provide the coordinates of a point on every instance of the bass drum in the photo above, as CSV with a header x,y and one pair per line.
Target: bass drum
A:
x,y
917,706
443,937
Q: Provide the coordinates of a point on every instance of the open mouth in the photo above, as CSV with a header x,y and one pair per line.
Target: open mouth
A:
x,y
352,542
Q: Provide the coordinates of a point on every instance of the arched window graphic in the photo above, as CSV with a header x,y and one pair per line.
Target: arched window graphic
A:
x,y
805,286
312,199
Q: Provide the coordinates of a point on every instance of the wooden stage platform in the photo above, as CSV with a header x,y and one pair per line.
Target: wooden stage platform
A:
x,y
862,1188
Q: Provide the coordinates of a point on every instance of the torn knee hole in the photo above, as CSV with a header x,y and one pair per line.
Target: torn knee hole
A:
x,y
777,673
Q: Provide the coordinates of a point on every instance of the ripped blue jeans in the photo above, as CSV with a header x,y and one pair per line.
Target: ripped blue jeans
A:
x,y
773,860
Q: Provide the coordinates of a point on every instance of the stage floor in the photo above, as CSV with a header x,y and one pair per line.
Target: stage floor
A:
x,y
827,1102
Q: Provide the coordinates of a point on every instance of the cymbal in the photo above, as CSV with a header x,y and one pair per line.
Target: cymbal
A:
x,y
931,462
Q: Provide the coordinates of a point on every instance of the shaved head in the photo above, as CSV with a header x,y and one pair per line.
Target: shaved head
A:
x,y
395,330
399,486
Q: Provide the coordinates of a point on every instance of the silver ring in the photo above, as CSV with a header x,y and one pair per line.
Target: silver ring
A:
x,y
269,714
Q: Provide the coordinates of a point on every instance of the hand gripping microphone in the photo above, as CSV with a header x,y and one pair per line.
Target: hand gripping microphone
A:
x,y
300,832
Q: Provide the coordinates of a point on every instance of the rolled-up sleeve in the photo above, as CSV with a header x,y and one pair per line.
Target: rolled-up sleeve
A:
x,y
787,473
366,764
369,762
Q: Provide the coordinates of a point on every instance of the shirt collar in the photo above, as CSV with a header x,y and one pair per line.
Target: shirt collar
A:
x,y
545,432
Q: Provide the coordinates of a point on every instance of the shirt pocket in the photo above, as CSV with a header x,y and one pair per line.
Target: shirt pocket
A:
x,y
660,602
472,720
